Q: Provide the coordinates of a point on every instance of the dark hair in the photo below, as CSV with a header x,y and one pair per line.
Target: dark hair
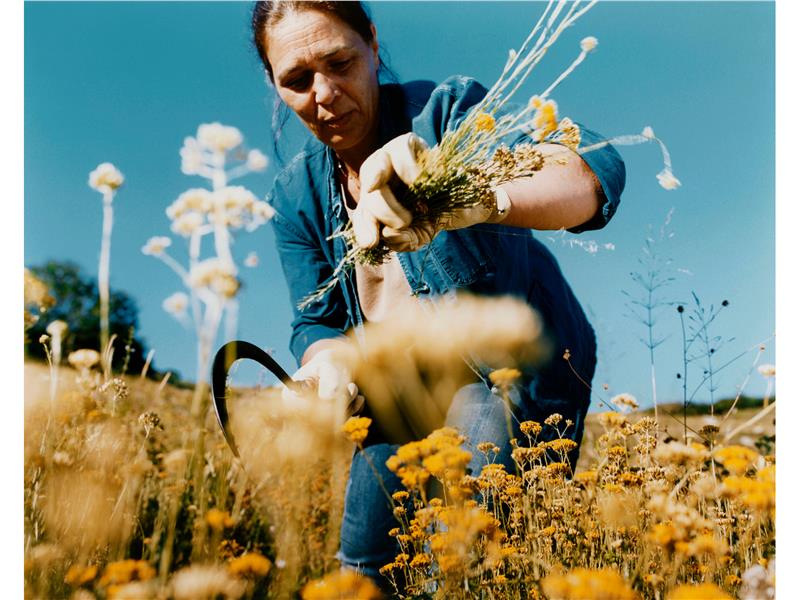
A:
x,y
269,12
266,13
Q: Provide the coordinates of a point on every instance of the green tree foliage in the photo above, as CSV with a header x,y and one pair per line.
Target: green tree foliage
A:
x,y
77,303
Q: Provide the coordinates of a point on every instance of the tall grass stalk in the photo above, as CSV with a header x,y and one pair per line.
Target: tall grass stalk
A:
x,y
652,279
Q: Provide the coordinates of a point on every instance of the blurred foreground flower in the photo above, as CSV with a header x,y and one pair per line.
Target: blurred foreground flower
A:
x,y
410,392
625,402
206,583
341,585
588,584
84,359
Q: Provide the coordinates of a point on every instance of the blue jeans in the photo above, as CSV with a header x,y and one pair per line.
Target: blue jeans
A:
x,y
476,412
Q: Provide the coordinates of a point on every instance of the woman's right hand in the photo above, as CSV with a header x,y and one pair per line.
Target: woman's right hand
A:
x,y
329,378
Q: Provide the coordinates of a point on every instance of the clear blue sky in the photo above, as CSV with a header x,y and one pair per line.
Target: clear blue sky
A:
x,y
126,82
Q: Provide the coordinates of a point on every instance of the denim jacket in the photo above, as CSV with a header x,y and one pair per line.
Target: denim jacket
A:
x,y
482,259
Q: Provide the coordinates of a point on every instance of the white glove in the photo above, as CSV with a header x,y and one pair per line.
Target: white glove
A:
x,y
379,215
327,378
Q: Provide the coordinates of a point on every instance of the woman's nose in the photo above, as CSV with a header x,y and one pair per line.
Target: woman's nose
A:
x,y
325,90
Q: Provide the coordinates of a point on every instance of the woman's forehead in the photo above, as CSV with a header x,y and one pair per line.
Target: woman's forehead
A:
x,y
301,37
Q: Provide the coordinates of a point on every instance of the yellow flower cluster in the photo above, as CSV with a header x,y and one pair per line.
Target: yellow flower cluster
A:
x,y
757,493
703,591
79,575
736,459
588,584
545,119
250,564
440,455
484,122
124,571
341,585
219,520
356,429
505,377
530,428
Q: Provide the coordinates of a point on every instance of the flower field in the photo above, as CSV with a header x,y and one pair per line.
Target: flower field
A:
x,y
125,497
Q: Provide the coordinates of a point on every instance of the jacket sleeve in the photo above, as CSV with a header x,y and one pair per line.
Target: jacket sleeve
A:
x,y
609,168
450,103
305,268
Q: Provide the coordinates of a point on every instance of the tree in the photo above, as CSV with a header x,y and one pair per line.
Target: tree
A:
x,y
77,303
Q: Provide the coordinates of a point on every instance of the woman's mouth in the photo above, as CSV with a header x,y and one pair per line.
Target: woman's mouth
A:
x,y
338,122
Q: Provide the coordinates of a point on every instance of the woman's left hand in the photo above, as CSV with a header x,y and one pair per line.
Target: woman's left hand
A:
x,y
379,216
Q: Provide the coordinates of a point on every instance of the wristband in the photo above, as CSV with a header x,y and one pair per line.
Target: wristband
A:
x,y
502,206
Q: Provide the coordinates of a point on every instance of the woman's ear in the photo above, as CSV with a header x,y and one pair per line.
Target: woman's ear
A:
x,y
374,44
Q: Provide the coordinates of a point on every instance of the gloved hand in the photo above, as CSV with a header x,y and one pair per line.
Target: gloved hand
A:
x,y
380,216
327,377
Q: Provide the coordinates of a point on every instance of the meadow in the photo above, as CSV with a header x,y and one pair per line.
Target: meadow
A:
x,y
127,495
132,492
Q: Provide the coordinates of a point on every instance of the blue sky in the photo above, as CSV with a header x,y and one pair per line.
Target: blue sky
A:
x,y
125,83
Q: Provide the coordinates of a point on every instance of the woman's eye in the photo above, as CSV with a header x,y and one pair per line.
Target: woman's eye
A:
x,y
340,65
297,83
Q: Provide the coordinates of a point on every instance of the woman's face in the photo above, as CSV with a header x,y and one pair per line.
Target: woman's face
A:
x,y
327,74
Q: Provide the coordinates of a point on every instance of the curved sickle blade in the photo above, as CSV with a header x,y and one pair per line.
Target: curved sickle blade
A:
x,y
224,359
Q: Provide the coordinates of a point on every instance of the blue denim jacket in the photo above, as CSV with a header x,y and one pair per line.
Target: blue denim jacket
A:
x,y
482,259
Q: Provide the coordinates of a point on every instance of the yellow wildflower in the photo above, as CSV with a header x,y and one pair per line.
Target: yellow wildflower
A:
x,y
611,419
585,477
664,535
557,470
504,377
400,496
484,122
588,584
124,571
703,591
617,452
553,420
733,580
356,429
545,121
79,575
341,584
250,564
630,479
420,561
531,428
562,445
707,544
219,519
486,447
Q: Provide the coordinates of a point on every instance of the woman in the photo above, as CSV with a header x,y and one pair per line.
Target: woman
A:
x,y
322,58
